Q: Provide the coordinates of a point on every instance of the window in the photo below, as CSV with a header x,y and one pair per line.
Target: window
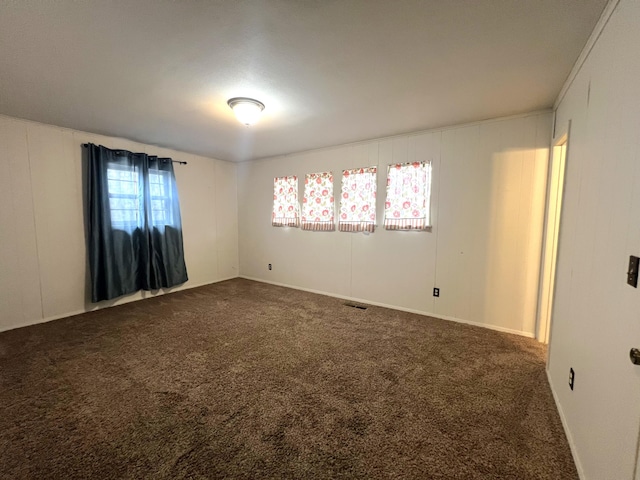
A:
x,y
317,203
134,227
285,202
408,196
126,197
358,202
161,198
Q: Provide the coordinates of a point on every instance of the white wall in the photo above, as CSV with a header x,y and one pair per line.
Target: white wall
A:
x,y
484,249
596,317
43,271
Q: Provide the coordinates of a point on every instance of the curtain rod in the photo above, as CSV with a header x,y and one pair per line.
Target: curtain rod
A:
x,y
180,162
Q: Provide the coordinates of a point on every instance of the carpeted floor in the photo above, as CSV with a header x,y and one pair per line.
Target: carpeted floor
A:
x,y
247,380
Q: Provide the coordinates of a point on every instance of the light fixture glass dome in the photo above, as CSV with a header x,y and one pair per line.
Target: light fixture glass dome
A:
x,y
247,110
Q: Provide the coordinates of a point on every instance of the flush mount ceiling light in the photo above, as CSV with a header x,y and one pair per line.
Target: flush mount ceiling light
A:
x,y
247,110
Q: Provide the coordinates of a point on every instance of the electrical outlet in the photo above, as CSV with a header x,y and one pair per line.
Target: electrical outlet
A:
x,y
269,266
436,292
572,377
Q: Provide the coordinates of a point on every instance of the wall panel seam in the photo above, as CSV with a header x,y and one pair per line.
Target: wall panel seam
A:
x,y
35,226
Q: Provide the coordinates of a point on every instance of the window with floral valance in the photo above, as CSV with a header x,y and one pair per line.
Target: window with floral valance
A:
x,y
408,196
317,202
358,200
286,210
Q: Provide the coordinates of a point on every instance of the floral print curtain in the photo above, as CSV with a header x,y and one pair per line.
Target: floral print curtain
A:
x,y
285,202
317,203
358,202
408,193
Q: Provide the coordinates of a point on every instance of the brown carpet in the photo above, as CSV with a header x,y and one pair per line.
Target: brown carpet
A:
x,y
247,380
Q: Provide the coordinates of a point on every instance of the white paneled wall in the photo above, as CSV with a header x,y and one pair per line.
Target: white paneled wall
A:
x,y
483,251
20,298
226,219
596,315
43,265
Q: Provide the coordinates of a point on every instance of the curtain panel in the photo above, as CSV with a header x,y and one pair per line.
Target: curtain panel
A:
x,y
358,202
286,210
408,195
134,225
317,202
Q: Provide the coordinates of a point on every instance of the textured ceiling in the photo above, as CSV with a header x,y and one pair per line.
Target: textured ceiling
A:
x,y
328,71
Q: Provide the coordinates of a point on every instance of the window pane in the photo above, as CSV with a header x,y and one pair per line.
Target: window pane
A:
x,y
159,217
157,205
117,203
161,191
156,190
122,174
285,202
122,218
126,187
125,197
124,202
408,196
358,200
317,203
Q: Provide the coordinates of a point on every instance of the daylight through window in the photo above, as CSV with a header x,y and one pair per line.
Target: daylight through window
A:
x,y
126,198
408,195
358,200
285,202
317,203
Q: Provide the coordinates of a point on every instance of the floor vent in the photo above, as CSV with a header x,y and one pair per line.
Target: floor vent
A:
x,y
355,305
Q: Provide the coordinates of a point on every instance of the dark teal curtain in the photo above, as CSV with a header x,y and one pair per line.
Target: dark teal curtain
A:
x,y
134,226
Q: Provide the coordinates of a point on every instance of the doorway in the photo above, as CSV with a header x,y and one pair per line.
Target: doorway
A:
x,y
551,236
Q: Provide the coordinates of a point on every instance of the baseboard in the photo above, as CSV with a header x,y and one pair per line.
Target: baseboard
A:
x,y
396,307
51,318
310,290
41,320
567,432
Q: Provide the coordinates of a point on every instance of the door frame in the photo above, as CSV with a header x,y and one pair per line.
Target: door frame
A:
x,y
558,157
